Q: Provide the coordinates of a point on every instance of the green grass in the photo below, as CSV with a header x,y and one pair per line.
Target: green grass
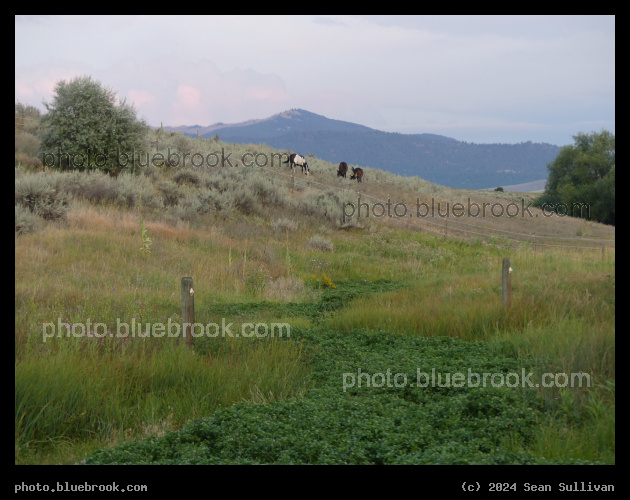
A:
x,y
78,393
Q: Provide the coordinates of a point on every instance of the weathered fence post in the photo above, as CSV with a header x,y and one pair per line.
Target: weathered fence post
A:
x,y
188,310
507,282
534,234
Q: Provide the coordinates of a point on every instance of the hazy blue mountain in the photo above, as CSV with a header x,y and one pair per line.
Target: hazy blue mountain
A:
x,y
436,158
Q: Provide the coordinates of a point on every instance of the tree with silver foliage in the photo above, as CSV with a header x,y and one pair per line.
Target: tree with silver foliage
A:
x,y
87,129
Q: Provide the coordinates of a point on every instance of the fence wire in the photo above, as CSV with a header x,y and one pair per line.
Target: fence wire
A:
x,y
444,226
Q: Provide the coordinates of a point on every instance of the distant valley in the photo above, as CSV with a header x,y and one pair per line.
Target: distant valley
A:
x,y
435,158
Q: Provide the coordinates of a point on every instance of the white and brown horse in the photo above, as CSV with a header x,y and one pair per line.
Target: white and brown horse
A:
x,y
295,159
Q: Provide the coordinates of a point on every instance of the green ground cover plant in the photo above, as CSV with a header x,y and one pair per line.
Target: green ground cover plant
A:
x,y
369,424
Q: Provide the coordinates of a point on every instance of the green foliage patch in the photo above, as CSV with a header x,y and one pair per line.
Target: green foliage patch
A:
x,y
368,424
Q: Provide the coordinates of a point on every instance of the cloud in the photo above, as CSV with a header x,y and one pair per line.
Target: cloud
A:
x,y
202,94
141,97
188,97
35,84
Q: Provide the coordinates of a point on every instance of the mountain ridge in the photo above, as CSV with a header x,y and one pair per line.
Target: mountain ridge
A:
x,y
435,158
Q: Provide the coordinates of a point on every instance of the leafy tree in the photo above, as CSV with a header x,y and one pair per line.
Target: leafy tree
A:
x,y
27,131
581,179
86,129
27,118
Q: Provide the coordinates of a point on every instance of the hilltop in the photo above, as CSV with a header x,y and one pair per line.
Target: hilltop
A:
x,y
435,158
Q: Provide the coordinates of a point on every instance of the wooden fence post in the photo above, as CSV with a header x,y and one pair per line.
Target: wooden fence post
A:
x,y
188,310
534,234
507,282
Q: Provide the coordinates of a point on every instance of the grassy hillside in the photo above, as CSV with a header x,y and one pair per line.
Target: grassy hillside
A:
x,y
362,295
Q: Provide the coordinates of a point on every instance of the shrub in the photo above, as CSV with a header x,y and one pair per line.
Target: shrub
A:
x,y
189,206
320,243
31,162
265,190
284,289
94,186
129,188
152,172
43,194
27,144
186,177
26,221
284,224
227,181
170,192
223,201
329,205
245,201
183,144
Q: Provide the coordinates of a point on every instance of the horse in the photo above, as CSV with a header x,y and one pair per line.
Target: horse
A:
x,y
343,169
357,173
295,159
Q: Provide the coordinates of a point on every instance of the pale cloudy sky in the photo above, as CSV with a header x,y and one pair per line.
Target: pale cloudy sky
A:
x,y
483,79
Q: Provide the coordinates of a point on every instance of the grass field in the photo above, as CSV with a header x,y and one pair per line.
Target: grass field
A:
x,y
370,297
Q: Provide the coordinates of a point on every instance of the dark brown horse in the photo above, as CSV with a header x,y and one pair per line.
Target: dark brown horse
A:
x,y
357,173
343,169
